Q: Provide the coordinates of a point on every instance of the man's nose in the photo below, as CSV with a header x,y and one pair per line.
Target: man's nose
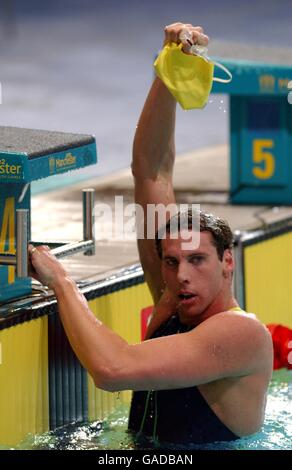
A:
x,y
183,273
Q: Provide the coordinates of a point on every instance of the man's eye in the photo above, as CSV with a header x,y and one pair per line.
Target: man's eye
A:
x,y
197,259
170,262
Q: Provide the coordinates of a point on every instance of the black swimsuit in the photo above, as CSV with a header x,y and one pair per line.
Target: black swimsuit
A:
x,y
178,416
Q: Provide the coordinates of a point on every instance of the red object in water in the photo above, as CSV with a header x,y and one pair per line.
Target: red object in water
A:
x,y
282,341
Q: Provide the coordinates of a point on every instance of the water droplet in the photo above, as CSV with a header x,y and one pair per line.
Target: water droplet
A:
x,y
221,101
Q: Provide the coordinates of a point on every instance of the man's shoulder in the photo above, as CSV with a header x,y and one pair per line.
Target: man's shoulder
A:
x,y
239,323
232,318
239,334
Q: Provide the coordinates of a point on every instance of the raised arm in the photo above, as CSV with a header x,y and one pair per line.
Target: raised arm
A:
x,y
153,158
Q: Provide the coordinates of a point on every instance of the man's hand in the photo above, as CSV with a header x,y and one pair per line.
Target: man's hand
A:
x,y
163,310
187,34
45,267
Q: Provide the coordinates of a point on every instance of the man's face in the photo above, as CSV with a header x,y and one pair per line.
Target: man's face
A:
x,y
196,277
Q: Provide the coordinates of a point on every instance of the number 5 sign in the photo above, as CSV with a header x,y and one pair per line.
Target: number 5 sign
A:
x,y
264,160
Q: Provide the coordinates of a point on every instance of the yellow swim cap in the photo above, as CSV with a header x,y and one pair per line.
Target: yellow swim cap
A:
x,y
188,77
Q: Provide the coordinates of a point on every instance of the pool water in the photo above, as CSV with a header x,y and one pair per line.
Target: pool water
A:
x,y
112,433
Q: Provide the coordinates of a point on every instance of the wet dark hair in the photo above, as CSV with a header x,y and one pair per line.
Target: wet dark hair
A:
x,y
222,237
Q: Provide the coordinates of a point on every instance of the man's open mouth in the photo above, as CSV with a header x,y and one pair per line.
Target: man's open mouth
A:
x,y
186,296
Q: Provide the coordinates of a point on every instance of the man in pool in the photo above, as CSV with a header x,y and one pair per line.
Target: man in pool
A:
x,y
203,374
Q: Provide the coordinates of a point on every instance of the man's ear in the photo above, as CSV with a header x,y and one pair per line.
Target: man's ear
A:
x,y
228,262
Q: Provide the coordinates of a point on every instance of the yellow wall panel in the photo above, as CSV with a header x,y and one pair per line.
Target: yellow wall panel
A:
x,y
268,279
24,405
